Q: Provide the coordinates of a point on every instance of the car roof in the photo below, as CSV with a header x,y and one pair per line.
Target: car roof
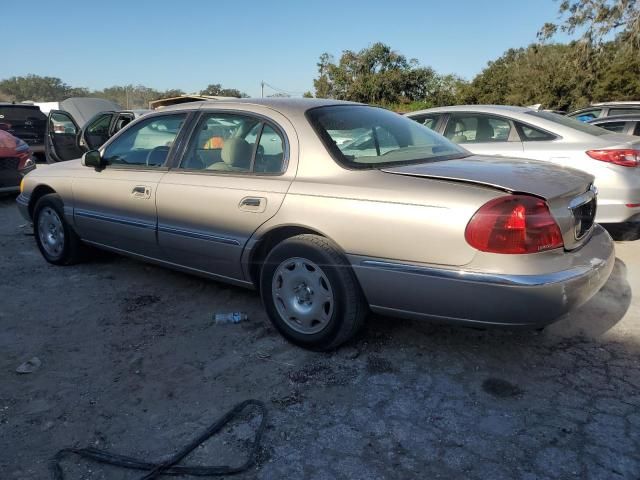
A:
x,y
283,105
497,109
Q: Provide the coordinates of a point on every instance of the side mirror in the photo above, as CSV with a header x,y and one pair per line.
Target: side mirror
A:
x,y
93,159
4,126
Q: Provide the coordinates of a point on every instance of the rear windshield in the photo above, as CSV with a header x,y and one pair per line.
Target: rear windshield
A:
x,y
16,115
370,137
570,122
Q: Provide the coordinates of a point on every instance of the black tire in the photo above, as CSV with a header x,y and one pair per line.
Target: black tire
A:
x,y
69,248
346,312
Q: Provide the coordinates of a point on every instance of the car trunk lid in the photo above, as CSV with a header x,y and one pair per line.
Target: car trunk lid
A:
x,y
568,192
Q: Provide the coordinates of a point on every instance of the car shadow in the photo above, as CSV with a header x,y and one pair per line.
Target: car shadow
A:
x,y
624,232
602,312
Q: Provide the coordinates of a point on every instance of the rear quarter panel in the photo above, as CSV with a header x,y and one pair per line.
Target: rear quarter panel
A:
x,y
376,214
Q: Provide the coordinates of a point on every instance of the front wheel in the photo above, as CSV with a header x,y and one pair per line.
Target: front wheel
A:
x,y
311,293
56,240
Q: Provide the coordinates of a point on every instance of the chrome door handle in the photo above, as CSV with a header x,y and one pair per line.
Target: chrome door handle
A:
x,y
250,202
253,204
140,191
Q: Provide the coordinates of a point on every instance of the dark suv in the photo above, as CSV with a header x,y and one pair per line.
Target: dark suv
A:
x,y
26,122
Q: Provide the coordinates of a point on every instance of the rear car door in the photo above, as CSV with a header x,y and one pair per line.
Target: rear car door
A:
x,y
116,206
62,137
232,178
484,134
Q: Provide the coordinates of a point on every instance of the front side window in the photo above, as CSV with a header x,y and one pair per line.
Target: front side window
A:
x,y
429,121
146,144
226,142
586,115
469,128
370,137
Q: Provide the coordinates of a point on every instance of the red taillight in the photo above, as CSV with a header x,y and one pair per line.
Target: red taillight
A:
x,y
513,224
624,157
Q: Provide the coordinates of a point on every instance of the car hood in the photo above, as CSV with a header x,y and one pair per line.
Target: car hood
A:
x,y
83,109
510,174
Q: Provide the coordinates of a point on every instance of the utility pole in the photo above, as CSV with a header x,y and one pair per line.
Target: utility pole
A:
x,y
262,89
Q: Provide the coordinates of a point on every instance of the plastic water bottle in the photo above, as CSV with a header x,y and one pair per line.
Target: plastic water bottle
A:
x,y
233,317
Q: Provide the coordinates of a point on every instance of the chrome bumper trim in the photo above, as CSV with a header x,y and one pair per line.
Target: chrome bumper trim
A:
x,y
486,278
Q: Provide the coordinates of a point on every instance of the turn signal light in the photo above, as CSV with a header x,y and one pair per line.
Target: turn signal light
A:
x,y
514,224
623,157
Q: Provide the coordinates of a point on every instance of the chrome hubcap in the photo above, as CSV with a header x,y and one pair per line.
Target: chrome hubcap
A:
x,y
302,295
51,231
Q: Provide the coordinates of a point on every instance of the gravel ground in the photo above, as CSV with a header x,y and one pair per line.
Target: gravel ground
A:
x,y
132,362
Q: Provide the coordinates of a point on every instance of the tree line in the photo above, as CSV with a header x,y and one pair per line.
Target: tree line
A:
x,y
602,64
51,89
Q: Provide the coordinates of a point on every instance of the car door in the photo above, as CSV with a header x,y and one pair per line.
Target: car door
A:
x,y
62,137
232,178
97,131
116,206
484,134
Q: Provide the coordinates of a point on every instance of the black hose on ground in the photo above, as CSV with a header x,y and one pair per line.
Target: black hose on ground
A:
x,y
170,467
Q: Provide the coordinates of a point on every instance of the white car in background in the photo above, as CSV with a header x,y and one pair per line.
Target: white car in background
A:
x,y
521,132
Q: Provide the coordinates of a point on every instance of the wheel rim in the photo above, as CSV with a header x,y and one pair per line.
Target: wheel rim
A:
x,y
51,232
302,295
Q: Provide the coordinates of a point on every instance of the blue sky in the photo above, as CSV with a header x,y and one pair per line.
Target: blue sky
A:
x,y
188,44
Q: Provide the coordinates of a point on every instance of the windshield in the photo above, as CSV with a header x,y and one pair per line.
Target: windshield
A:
x,y
570,122
369,137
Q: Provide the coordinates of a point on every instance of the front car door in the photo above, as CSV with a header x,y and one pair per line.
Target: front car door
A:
x,y
116,206
484,134
61,137
232,178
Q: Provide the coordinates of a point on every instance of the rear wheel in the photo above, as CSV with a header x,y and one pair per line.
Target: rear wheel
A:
x,y
55,238
311,294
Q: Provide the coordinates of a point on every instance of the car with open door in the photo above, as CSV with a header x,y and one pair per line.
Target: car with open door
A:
x,y
83,124
396,219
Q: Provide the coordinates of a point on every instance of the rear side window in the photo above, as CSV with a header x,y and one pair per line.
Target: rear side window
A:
x,y
623,111
238,143
470,128
637,129
429,121
617,127
566,121
530,134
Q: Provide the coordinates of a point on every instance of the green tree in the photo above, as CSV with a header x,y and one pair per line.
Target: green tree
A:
x,y
215,89
598,20
380,75
37,88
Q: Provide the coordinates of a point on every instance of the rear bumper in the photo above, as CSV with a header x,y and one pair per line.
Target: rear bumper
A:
x,y
455,295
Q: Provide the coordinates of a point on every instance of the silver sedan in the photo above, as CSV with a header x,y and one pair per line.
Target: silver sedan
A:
x,y
613,159
330,209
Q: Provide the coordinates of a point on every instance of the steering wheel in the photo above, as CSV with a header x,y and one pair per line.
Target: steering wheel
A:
x,y
155,151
